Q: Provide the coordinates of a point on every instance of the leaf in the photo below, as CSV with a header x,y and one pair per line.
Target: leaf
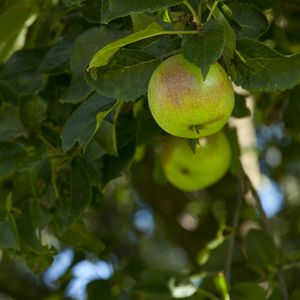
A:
x,y
91,10
251,22
7,93
262,4
83,122
57,58
101,289
248,291
206,48
40,215
12,156
229,35
103,56
126,77
10,123
21,70
9,234
261,250
106,137
80,197
240,108
85,47
260,68
112,9
113,166
32,111
13,28
80,238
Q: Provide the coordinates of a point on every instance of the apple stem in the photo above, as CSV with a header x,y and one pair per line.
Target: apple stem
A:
x,y
196,17
212,10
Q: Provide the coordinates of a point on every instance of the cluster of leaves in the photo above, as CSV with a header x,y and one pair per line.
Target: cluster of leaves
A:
x,y
74,116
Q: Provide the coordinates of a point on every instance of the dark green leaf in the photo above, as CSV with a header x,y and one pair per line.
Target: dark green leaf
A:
x,y
262,4
229,35
32,112
240,109
126,77
112,9
80,196
21,70
7,93
248,291
80,238
102,289
9,234
261,250
251,22
106,137
85,47
83,122
12,156
40,215
113,166
10,123
206,48
57,58
260,68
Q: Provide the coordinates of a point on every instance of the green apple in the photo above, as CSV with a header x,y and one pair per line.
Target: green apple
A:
x,y
189,171
185,105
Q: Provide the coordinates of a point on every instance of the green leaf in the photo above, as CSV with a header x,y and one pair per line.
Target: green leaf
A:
x,y
113,166
106,137
229,35
13,28
40,215
260,68
32,112
91,10
71,209
248,291
12,156
7,93
103,56
57,58
261,250
21,70
262,4
206,48
240,109
80,238
10,123
8,234
112,9
126,77
251,22
102,289
85,47
84,121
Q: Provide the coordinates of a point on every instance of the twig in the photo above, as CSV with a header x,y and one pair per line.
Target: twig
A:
x,y
235,222
268,229
212,10
194,13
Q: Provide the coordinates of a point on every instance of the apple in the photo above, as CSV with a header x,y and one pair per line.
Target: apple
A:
x,y
185,105
189,171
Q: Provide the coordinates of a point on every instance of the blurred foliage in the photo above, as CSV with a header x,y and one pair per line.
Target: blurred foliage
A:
x,y
79,150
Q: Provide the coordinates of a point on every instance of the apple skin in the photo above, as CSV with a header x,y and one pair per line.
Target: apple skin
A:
x,y
190,171
186,106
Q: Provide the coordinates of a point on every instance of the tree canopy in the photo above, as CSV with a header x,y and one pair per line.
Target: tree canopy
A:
x,y
80,152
